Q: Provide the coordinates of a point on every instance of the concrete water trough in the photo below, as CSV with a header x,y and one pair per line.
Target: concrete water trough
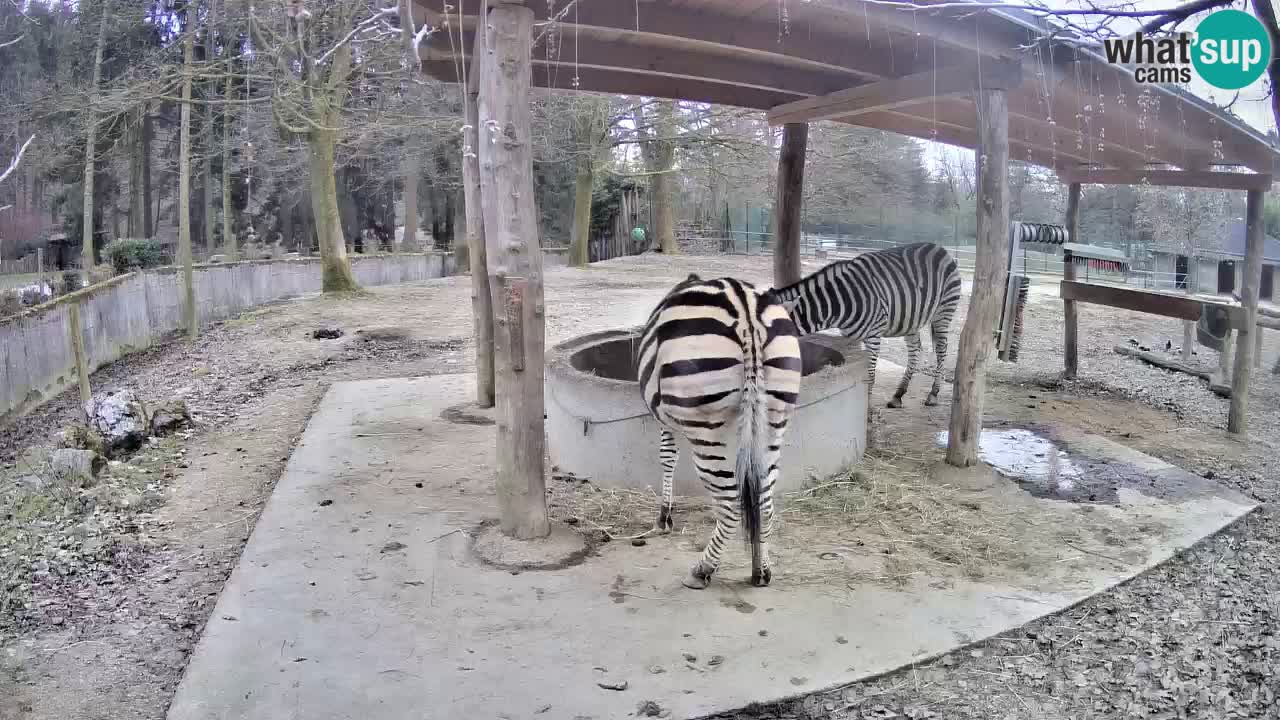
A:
x,y
598,427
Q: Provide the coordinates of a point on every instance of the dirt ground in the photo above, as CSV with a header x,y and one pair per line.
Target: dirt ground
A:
x,y
1195,638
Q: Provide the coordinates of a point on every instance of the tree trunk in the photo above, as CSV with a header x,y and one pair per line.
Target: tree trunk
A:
x,y
511,230
228,226
991,250
477,248
1070,347
412,168
91,147
148,219
580,234
1255,238
788,202
137,208
335,269
184,189
664,212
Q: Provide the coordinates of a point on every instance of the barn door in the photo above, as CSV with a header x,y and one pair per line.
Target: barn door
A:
x,y
1226,277
1268,282
1180,269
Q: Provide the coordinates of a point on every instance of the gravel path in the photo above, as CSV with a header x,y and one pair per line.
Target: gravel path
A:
x,y
1197,638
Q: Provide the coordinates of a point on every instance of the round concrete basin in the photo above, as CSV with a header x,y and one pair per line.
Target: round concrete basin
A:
x,y
598,427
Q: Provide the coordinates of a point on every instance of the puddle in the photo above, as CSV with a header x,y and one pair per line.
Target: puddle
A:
x,y
1042,467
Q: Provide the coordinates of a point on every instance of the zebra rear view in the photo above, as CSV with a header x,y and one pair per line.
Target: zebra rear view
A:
x,y
718,358
885,293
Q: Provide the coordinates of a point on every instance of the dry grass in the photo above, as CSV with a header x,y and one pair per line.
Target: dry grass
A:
x,y
894,519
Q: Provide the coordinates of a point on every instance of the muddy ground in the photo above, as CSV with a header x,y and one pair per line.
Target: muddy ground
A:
x,y
108,635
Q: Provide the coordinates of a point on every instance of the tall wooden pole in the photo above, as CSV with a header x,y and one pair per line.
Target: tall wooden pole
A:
x,y
988,278
481,298
1237,416
515,266
1070,321
787,204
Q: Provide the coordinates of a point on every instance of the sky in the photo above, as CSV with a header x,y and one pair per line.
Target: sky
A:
x,y
1252,107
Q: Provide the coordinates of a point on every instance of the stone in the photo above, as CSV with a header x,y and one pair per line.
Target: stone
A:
x,y
169,416
121,418
32,482
79,436
80,468
326,333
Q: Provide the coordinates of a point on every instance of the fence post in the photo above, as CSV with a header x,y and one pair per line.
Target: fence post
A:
x,y
82,362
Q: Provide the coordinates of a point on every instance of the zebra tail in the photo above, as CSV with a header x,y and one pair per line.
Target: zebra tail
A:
x,y
753,423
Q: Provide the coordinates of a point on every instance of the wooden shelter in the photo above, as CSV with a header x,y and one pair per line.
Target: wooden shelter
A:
x,y
992,81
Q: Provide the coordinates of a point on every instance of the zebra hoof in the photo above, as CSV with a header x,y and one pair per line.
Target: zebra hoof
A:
x,y
895,402
760,577
665,524
931,401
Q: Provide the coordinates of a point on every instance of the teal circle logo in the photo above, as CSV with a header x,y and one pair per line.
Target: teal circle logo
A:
x,y
1232,49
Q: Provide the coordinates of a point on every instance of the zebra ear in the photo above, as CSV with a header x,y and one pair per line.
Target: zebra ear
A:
x,y
693,277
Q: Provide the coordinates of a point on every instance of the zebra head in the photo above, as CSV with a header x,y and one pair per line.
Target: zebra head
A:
x,y
799,311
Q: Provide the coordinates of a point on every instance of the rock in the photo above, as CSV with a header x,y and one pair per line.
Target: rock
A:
x,y
169,416
121,419
217,258
326,333
76,467
32,482
79,436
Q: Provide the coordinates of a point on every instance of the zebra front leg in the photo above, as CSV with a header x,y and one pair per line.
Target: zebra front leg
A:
x,y
913,361
668,453
717,474
938,332
872,346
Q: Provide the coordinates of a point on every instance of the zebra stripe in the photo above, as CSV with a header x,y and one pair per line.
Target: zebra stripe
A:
x,y
718,357
882,294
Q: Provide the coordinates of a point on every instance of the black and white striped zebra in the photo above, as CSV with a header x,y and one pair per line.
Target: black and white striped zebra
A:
x,y
719,358
885,293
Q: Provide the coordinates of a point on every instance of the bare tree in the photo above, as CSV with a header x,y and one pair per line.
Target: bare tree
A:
x,y
310,93
91,141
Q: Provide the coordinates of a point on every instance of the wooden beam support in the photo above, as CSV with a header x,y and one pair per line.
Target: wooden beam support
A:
x,y
787,204
1168,178
515,268
481,296
897,92
1255,239
1070,347
977,337
1143,301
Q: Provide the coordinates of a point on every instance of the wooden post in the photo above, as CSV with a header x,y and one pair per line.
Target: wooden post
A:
x,y
787,204
988,277
1237,416
481,297
81,358
515,266
1070,321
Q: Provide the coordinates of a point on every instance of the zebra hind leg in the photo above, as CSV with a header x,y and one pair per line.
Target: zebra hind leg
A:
x,y
668,453
913,362
761,572
716,470
938,333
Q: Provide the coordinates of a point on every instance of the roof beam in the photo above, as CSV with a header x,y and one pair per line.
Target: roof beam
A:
x,y
698,29
897,92
622,82
1168,178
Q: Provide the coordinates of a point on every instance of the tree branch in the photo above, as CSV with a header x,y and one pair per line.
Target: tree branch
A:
x,y
16,159
14,41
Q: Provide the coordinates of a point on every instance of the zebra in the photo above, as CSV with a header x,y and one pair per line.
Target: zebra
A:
x,y
885,293
718,357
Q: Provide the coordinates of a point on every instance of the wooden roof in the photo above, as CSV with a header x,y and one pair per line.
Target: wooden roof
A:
x,y
745,53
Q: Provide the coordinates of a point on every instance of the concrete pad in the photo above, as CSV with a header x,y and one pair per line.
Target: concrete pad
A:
x,y
358,595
